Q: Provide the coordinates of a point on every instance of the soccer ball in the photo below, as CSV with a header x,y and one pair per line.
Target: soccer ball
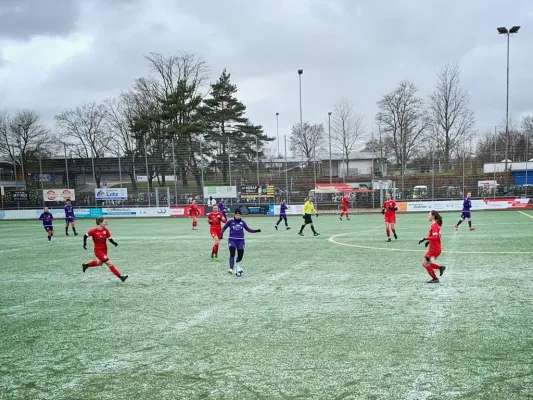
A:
x,y
239,272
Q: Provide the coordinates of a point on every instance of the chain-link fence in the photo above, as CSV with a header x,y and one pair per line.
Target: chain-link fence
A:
x,y
175,177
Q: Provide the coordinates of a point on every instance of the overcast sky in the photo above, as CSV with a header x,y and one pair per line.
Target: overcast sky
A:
x,y
56,54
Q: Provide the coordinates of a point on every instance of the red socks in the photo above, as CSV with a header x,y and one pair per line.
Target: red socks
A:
x,y
93,263
388,233
215,249
434,266
430,271
194,223
114,270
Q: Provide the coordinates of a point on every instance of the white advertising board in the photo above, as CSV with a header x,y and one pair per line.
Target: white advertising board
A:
x,y
295,209
111,194
220,192
59,194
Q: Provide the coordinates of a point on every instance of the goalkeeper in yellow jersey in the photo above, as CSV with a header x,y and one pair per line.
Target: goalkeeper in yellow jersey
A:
x,y
309,209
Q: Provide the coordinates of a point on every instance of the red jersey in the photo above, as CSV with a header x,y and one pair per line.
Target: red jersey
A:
x,y
194,211
345,201
215,219
434,238
390,207
100,236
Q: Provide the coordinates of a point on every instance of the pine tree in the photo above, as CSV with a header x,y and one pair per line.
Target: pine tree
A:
x,y
227,125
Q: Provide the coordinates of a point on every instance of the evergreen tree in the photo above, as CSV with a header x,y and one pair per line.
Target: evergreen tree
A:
x,y
228,126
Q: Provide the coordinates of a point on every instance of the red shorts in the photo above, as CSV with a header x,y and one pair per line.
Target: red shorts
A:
x,y
432,255
101,255
215,232
390,218
344,209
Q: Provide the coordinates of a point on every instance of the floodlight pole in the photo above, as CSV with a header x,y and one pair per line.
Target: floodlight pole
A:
x,y
507,32
329,133
277,131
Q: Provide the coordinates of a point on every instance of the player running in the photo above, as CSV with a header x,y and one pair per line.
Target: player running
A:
x,y
215,220
389,210
467,205
309,209
282,215
345,202
236,238
433,240
47,219
70,219
194,212
100,235
222,207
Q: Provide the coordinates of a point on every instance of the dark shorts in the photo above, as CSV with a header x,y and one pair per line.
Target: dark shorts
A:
x,y
308,219
69,220
283,216
49,228
238,244
466,215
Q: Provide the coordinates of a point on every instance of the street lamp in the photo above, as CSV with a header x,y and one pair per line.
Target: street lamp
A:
x,y
329,132
507,32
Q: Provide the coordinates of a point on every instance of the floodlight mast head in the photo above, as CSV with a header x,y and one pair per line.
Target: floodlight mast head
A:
x,y
503,30
300,71
514,29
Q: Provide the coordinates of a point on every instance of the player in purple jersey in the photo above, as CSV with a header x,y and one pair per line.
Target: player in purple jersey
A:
x,y
69,217
236,238
467,205
47,219
283,215
222,208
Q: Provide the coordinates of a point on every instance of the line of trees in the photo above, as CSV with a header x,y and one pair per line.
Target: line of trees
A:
x,y
166,117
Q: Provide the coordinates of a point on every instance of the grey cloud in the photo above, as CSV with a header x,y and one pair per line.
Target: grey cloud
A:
x,y
352,48
22,19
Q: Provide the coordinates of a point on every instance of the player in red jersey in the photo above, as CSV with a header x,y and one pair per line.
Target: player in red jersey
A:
x,y
389,210
433,240
193,213
215,220
100,235
345,202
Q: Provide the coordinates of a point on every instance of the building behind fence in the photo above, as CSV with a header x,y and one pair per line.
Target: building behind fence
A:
x,y
287,178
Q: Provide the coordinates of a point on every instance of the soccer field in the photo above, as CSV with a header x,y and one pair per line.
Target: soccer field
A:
x,y
344,315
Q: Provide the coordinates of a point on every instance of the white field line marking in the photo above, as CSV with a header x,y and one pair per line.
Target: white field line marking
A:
x,y
527,215
332,240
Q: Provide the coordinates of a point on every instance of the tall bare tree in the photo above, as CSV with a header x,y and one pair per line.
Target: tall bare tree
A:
x,y
83,129
450,117
527,129
347,127
380,145
119,112
401,116
306,140
22,136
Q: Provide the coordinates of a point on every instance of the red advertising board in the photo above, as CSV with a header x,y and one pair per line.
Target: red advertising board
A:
x,y
183,211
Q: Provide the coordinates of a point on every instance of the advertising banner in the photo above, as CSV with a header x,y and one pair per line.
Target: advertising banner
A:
x,y
254,210
183,211
119,212
295,209
111,194
457,205
153,212
220,192
59,194
250,191
17,195
87,212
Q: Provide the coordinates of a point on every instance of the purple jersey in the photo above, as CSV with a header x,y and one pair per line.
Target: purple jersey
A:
x,y
283,209
222,207
237,228
69,211
467,204
47,219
